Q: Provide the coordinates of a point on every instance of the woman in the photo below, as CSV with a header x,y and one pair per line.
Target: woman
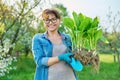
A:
x,y
51,50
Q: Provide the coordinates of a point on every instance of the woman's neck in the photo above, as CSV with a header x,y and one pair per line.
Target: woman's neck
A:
x,y
53,34
55,37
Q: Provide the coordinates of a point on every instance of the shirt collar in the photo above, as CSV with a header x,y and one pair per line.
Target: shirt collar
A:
x,y
62,34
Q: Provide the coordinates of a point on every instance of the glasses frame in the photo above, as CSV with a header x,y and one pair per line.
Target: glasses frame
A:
x,y
53,20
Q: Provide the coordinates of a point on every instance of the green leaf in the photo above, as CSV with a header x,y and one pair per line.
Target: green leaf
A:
x,y
90,31
85,24
68,22
76,19
95,23
104,39
81,17
87,44
98,34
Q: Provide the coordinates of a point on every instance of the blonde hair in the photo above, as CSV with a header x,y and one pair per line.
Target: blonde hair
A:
x,y
50,11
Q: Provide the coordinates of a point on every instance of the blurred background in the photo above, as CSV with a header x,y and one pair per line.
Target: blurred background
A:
x,y
20,20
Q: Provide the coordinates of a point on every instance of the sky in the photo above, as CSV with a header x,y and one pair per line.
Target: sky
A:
x,y
90,8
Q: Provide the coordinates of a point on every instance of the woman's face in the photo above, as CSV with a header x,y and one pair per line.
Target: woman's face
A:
x,y
52,23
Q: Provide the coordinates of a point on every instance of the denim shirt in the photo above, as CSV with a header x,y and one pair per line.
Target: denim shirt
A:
x,y
42,50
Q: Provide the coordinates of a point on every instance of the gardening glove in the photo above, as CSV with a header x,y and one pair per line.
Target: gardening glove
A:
x,y
76,64
65,57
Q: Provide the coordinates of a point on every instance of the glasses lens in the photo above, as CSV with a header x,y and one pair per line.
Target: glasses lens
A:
x,y
46,21
53,20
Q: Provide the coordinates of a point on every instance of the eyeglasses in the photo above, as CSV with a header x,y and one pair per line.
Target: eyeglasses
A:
x,y
53,20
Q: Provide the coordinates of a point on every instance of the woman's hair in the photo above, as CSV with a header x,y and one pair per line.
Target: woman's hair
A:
x,y
50,11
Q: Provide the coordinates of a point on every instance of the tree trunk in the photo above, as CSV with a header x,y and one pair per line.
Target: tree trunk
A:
x,y
114,56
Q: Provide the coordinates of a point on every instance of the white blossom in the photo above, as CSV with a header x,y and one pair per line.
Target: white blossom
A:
x,y
5,59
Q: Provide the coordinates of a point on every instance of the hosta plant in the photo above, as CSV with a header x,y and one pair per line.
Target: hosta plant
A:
x,y
85,33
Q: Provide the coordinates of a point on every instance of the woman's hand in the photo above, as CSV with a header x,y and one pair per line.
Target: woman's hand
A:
x,y
65,57
62,57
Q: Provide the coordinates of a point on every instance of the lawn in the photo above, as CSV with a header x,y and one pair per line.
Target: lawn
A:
x,y
25,68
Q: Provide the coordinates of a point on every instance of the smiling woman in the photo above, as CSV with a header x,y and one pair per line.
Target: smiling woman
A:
x,y
52,50
51,19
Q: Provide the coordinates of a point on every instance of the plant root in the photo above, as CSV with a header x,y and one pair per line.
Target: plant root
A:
x,y
88,58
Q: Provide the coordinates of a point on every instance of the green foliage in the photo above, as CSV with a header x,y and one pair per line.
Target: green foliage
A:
x,y
62,9
16,26
2,28
25,70
84,31
18,20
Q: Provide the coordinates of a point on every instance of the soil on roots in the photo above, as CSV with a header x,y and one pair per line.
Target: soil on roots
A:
x,y
88,58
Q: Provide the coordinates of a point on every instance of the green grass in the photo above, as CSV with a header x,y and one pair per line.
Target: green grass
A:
x,y
108,58
26,68
108,70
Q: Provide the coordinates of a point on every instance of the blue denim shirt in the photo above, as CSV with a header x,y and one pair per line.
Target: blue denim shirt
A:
x,y
42,50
